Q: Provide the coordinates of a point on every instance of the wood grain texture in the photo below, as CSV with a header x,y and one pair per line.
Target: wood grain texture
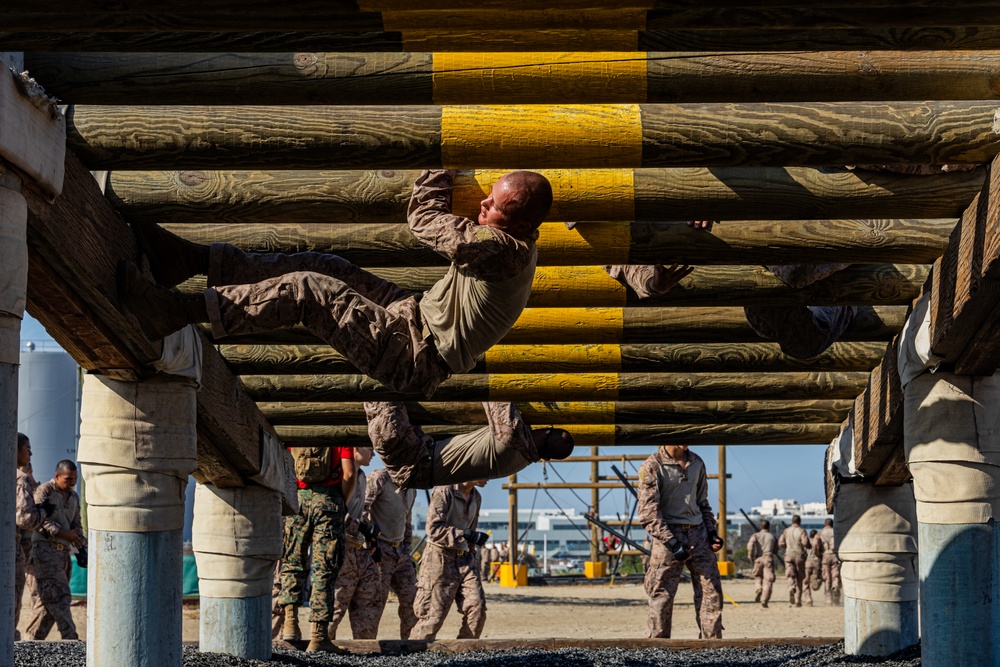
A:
x,y
335,17
32,135
830,16
631,435
681,358
674,412
746,242
569,387
741,193
201,42
822,133
894,472
804,39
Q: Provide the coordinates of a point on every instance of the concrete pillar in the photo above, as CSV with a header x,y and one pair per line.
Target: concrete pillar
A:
x,y
237,538
875,534
952,443
13,284
137,448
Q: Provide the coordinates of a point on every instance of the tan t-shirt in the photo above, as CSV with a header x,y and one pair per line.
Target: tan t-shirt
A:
x,y
498,450
387,507
792,540
762,542
356,508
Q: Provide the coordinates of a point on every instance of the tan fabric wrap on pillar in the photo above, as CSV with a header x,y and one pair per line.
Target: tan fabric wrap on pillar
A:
x,y
951,434
138,445
875,529
13,272
236,539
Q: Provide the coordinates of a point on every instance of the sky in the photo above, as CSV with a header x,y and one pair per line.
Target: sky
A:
x,y
758,472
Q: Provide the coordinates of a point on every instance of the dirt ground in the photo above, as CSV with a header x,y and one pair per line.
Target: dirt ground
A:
x,y
594,611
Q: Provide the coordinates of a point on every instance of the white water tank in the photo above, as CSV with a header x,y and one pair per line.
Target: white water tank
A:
x,y
48,406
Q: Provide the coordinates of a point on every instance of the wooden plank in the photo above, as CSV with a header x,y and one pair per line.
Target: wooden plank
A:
x,y
894,472
825,39
832,16
673,135
200,42
356,197
32,134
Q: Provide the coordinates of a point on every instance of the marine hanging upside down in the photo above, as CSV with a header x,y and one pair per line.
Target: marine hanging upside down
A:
x,y
408,341
417,461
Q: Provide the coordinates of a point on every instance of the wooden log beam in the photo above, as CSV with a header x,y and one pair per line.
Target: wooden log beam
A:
x,y
543,136
541,326
601,435
513,78
628,358
636,412
746,242
820,39
569,387
643,195
73,293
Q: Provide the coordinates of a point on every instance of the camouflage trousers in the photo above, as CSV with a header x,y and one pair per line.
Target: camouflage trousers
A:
x,y
801,331
375,324
320,525
763,577
407,452
831,578
399,576
51,567
664,575
20,574
277,610
813,579
358,590
795,572
447,576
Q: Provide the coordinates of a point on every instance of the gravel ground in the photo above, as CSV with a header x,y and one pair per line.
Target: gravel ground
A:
x,y
73,654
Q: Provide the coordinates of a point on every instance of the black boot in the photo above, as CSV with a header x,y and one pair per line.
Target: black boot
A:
x,y
159,311
171,258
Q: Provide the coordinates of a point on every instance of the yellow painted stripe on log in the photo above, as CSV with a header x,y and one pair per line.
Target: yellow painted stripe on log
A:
x,y
575,286
563,39
591,435
611,240
589,412
594,194
492,78
564,323
598,386
564,135
594,358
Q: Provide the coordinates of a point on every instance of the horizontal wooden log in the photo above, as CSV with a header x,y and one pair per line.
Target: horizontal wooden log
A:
x,y
542,136
744,242
599,435
821,39
500,78
128,42
539,414
32,134
569,387
541,326
644,195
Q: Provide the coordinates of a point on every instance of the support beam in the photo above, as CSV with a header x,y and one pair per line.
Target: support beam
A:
x,y
567,136
381,196
596,358
569,387
517,78
917,241
662,412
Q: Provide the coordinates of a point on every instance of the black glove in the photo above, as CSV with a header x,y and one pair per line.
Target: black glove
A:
x,y
377,553
714,539
369,530
81,557
475,538
679,551
48,506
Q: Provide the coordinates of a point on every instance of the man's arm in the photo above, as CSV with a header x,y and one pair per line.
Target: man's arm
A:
x,y
438,530
509,429
752,547
76,525
707,516
49,526
648,280
28,515
782,543
461,240
804,540
649,505
348,475
408,530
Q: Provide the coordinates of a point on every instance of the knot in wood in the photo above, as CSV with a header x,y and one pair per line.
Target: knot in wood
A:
x,y
303,60
866,67
192,178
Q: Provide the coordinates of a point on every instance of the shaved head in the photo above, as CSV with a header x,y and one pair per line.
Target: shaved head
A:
x,y
530,197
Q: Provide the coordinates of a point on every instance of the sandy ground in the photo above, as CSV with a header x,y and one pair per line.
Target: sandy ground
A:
x,y
594,611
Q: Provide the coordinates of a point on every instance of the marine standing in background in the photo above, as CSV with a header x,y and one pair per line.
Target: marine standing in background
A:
x,y
28,517
762,548
60,536
814,571
795,542
448,570
673,509
391,509
830,564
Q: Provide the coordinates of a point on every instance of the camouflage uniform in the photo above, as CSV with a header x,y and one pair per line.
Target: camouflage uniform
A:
x,y
390,509
814,571
407,341
763,542
359,583
51,565
28,517
416,461
319,524
448,570
673,503
795,542
277,610
802,331
831,566
637,276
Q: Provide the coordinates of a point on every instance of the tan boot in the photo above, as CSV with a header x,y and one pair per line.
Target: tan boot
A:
x,y
290,630
320,641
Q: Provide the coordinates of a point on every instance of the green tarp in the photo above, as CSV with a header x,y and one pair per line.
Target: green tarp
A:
x,y
78,582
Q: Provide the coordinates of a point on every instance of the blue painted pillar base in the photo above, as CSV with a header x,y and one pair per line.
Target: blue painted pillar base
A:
x,y
134,599
957,566
236,626
879,628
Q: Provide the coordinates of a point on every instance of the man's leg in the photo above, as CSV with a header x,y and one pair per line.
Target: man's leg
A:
x,y
827,581
806,586
20,567
793,571
470,601
344,589
704,568
404,585
768,581
407,453
277,614
364,604
436,590
758,578
327,551
295,559
836,582
662,578
53,593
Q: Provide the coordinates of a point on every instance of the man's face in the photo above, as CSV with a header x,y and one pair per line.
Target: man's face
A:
x,y
24,455
481,482
363,455
491,209
66,481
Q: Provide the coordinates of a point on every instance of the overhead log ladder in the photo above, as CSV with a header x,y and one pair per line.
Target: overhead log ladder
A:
x,y
539,136
582,77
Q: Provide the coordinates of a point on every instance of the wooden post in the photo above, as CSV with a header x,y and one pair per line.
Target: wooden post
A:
x,y
512,528
595,507
724,552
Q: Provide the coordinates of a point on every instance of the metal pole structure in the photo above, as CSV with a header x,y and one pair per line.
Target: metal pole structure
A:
x,y
512,527
723,552
595,507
